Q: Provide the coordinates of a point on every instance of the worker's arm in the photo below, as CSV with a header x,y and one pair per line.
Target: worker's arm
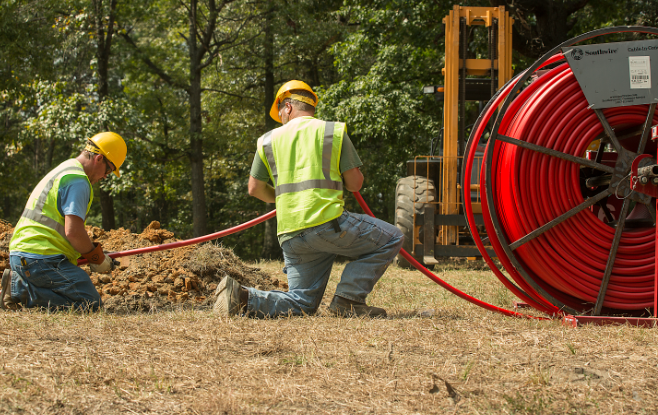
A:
x,y
353,179
74,227
261,190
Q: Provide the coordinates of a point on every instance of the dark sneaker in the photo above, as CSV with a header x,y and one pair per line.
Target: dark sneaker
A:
x,y
347,308
6,303
228,298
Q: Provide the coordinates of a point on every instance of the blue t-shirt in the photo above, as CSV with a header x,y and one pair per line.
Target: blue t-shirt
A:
x,y
72,199
73,196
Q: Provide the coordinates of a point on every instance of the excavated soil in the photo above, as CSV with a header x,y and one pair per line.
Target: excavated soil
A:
x,y
6,230
180,277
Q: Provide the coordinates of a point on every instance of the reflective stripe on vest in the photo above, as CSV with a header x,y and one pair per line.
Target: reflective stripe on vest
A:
x,y
327,183
36,215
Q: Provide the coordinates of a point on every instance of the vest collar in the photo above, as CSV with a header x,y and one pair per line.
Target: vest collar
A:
x,y
303,117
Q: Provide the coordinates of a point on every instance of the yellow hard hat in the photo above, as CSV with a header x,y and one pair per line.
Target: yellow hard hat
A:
x,y
284,92
112,146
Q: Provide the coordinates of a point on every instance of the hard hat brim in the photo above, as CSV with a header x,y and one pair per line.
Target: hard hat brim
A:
x,y
274,111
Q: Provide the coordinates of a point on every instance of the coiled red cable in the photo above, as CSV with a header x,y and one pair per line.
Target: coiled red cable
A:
x,y
531,189
523,291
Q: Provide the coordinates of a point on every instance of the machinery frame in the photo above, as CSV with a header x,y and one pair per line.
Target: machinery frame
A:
x,y
437,216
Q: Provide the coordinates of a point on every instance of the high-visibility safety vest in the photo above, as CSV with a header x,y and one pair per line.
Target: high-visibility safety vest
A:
x,y
303,159
40,229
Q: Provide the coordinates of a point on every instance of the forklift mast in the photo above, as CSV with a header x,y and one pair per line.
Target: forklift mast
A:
x,y
459,89
428,209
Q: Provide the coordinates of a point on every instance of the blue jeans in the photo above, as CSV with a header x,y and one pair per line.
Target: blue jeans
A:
x,y
309,257
52,282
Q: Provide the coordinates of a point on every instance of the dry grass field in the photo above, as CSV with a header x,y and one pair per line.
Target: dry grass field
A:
x,y
434,354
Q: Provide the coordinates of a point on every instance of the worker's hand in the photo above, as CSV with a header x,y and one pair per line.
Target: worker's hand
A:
x,y
96,255
107,265
98,261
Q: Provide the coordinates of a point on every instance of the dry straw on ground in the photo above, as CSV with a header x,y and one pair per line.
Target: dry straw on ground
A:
x,y
456,359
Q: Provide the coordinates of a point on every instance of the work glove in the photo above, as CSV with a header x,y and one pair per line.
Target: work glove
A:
x,y
106,266
98,261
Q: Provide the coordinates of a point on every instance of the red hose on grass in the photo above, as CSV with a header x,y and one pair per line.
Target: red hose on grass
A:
x,y
420,267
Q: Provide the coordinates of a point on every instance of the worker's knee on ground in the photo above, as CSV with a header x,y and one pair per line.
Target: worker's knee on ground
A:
x,y
311,310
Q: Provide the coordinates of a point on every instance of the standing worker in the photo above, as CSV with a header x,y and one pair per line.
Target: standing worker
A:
x,y
309,162
50,235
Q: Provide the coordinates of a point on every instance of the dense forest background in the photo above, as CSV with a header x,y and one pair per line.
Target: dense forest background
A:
x,y
188,84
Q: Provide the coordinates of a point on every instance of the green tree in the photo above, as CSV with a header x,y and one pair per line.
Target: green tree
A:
x,y
213,27
395,49
540,25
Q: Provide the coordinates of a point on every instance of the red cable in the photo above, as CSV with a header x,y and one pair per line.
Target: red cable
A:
x,y
192,241
271,214
444,284
525,292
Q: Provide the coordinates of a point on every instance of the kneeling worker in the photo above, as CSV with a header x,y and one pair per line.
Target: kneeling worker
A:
x,y
50,235
309,162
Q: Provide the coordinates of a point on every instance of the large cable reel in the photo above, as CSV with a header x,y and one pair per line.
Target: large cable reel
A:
x,y
560,209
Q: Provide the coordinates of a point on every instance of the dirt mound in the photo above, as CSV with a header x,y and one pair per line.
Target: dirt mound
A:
x,y
185,276
6,230
154,234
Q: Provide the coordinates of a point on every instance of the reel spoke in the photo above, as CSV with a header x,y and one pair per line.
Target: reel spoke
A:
x,y
555,153
549,225
611,259
608,130
646,129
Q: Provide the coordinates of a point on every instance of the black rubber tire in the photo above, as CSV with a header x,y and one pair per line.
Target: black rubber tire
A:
x,y
409,190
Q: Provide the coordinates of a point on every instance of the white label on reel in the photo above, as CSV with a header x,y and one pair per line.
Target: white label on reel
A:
x,y
640,72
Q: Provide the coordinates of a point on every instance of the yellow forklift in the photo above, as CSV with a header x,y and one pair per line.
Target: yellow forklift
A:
x,y
428,208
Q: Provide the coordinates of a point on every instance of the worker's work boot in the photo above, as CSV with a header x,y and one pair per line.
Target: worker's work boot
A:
x,y
6,303
347,308
228,298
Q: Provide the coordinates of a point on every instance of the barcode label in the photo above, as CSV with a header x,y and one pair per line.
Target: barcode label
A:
x,y
640,72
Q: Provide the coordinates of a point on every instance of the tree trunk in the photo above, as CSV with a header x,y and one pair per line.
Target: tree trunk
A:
x,y
104,43
107,210
37,157
196,129
271,248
